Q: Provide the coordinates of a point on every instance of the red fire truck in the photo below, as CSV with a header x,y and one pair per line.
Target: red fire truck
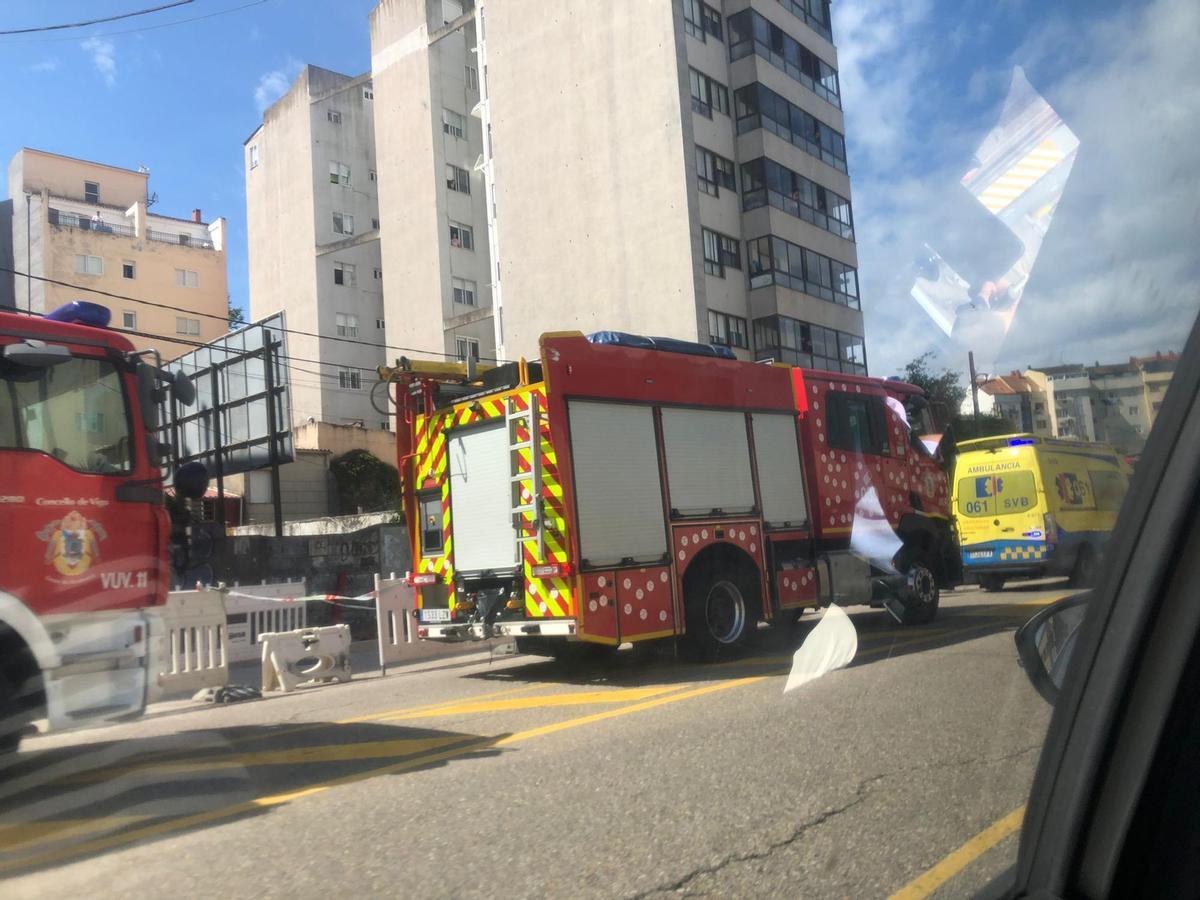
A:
x,y
85,531
628,489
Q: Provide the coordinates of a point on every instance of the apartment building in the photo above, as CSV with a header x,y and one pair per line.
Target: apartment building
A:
x,y
312,211
87,226
672,168
432,190
1116,403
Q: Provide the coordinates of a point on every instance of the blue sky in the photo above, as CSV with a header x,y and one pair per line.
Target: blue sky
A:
x,y
922,82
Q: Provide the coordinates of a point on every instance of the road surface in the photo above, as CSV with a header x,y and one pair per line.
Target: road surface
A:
x,y
514,777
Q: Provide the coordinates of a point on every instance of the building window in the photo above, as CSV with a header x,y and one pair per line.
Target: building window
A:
x,y
343,223
458,179
368,93
461,236
89,265
187,278
371,174
750,32
334,116
339,173
454,124
464,291
129,269
708,94
773,260
813,13
344,274
727,330
378,273
1133,410
349,379
720,252
797,343
379,323
347,325
91,192
757,106
701,20
472,76
465,347
254,156
129,320
185,325
714,172
765,182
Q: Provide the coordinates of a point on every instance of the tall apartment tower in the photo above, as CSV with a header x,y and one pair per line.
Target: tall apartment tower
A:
x,y
79,226
656,166
313,221
432,194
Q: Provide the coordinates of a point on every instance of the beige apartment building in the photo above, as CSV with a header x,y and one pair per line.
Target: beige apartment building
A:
x,y
670,168
312,212
87,226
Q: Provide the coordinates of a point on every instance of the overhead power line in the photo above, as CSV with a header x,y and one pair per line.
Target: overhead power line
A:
x,y
85,23
225,319
171,24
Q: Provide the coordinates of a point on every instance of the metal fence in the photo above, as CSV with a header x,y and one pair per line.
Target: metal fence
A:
x,y
61,219
180,238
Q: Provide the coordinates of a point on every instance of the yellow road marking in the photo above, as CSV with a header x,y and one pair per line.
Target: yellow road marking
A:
x,y
928,882
579,698
292,756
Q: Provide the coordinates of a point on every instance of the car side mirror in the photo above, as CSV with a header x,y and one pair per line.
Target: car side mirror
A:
x,y
1046,643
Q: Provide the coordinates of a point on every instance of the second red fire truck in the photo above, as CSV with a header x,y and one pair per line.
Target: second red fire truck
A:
x,y
627,489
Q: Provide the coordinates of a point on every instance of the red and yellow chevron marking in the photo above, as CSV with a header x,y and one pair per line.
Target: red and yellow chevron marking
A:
x,y
1021,176
544,597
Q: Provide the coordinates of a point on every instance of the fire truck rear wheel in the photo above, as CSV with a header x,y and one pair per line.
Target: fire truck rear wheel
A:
x,y
719,617
11,720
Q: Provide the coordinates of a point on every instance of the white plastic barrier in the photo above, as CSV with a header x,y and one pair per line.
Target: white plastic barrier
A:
x,y
254,609
395,600
189,643
309,655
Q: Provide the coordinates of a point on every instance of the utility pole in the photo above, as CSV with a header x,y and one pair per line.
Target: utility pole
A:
x,y
974,388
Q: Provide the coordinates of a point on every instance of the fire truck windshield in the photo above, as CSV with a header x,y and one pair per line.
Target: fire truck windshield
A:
x,y
76,411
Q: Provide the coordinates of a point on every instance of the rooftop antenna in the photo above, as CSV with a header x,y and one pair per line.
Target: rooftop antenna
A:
x,y
143,169
151,200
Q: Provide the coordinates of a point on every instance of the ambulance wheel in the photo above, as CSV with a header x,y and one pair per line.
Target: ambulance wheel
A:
x,y
718,617
920,595
1084,573
991,583
11,720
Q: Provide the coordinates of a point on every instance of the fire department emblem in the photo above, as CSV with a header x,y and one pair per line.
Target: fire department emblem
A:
x,y
73,543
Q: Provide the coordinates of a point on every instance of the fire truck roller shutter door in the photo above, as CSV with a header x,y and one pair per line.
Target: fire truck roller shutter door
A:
x,y
780,481
617,487
479,500
708,461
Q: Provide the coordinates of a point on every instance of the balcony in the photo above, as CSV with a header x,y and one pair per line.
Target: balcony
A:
x,y
61,219
179,238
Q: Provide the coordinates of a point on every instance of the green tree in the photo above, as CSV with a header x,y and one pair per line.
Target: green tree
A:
x,y
236,316
944,387
365,482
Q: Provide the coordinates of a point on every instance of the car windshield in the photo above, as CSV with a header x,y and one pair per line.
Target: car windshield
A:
x,y
627,437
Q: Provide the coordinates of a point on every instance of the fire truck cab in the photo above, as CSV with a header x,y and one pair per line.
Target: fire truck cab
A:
x,y
85,530
628,489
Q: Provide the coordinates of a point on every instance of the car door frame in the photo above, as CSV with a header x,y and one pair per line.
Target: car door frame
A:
x,y
1119,692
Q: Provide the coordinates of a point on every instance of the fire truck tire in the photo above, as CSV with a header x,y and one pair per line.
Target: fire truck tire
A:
x,y
921,595
719,612
991,582
11,720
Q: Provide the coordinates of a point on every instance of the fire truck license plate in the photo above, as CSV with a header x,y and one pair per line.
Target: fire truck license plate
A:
x,y
435,615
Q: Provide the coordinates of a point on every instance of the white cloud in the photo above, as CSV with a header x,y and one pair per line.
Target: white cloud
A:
x,y
49,64
1117,275
274,84
104,58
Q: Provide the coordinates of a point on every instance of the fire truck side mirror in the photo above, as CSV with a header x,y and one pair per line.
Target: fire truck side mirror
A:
x,y
183,388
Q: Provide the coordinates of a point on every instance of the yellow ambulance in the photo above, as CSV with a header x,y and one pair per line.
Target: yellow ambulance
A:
x,y
1027,506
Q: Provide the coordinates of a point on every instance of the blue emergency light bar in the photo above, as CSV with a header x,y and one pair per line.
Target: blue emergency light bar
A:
x,y
670,345
81,312
1021,442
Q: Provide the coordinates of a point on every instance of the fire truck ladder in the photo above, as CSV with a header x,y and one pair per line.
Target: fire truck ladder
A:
x,y
526,484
